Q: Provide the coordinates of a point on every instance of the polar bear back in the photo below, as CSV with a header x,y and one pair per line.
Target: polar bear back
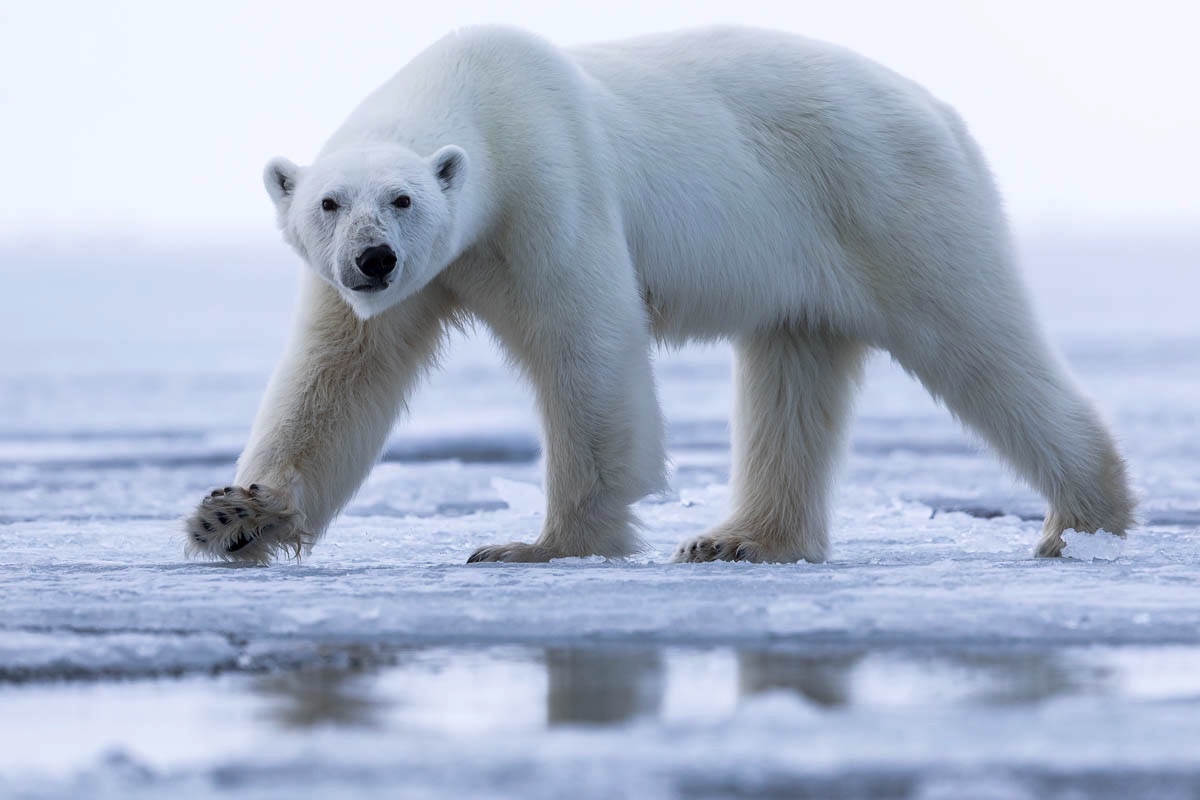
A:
x,y
755,174
787,171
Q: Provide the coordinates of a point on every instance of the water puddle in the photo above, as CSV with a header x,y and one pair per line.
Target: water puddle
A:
x,y
502,691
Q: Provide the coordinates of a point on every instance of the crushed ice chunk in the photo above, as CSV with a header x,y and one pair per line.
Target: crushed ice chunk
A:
x,y
1098,546
573,560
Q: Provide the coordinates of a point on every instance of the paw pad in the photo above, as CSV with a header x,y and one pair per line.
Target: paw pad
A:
x,y
253,524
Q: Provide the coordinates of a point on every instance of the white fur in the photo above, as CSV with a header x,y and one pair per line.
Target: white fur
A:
x,y
784,193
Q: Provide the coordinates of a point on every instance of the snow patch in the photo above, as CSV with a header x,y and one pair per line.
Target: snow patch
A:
x,y
28,655
521,497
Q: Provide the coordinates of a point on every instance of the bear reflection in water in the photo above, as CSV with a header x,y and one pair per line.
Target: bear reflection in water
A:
x,y
615,685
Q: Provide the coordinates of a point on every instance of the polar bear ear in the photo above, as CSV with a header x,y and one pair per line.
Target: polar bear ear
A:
x,y
279,176
450,166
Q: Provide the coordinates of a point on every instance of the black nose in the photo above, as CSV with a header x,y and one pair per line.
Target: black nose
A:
x,y
376,262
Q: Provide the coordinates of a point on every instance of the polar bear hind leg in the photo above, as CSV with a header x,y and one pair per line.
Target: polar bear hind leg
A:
x,y
794,395
993,370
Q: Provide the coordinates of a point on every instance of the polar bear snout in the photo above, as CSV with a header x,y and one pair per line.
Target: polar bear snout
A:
x,y
375,263
371,271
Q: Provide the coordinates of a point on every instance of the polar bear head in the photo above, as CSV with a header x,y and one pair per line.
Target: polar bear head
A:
x,y
377,223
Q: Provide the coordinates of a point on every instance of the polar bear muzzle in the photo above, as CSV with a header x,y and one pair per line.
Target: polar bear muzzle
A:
x,y
375,263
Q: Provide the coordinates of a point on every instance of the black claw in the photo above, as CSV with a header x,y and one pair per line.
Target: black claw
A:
x,y
215,493
254,487
204,524
241,512
221,518
228,489
237,544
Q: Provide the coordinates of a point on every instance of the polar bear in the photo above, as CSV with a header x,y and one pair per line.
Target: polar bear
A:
x,y
786,194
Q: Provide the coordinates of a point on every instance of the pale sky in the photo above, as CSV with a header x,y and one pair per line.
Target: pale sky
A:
x,y
157,117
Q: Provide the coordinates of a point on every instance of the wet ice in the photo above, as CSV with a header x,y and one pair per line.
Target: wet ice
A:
x,y
931,653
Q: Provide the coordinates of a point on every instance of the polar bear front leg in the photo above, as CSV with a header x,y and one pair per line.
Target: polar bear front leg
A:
x,y
587,349
321,425
604,451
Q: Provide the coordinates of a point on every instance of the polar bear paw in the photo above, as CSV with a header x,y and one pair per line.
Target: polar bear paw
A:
x,y
1051,546
723,546
253,524
514,552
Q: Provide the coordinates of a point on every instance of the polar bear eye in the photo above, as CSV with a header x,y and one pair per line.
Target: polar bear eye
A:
x,y
329,204
403,201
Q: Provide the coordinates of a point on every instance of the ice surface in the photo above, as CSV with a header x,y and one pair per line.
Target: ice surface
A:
x,y
931,657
